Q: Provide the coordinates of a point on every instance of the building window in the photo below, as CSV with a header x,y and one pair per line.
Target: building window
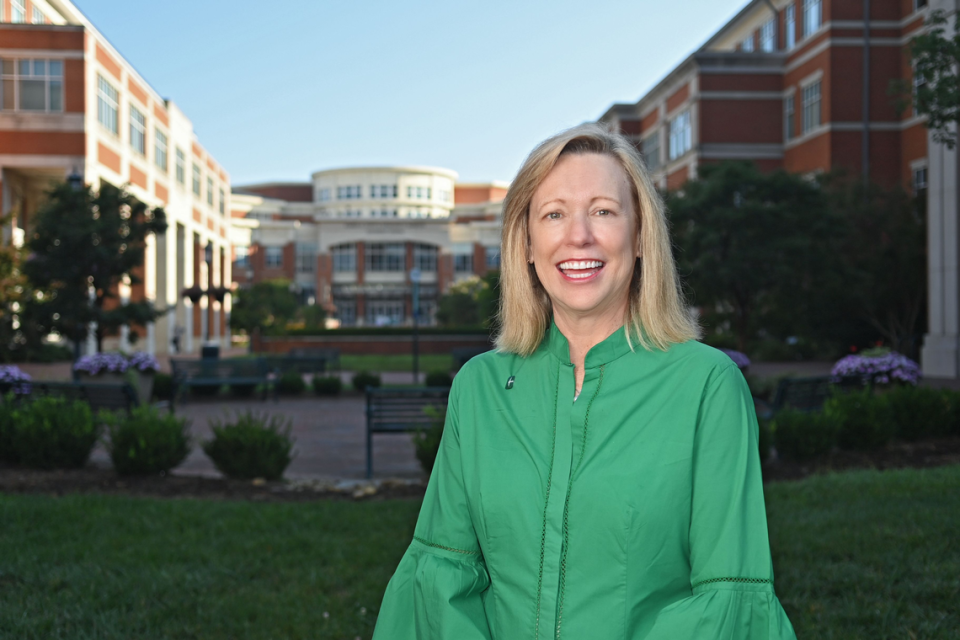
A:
x,y
492,255
306,256
382,313
160,150
18,13
31,85
38,17
789,129
425,257
323,195
223,202
344,258
107,105
463,263
273,257
242,259
349,192
138,135
811,16
196,180
811,106
681,135
385,256
388,191
443,195
346,312
919,180
790,27
768,36
181,162
919,4
650,148
747,44
209,191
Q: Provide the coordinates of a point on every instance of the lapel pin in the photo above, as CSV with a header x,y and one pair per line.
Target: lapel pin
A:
x,y
510,382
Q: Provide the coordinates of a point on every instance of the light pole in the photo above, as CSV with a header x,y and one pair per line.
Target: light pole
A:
x,y
415,280
208,258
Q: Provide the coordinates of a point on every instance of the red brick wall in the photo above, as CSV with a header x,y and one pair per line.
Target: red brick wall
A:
x,y
741,121
368,345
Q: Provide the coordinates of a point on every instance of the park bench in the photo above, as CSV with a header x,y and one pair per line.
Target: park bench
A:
x,y
400,410
809,394
112,396
216,372
462,354
331,355
299,364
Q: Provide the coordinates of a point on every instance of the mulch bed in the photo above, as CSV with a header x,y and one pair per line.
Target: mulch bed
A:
x,y
18,480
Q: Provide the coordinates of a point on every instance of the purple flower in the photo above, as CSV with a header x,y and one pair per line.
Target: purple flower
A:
x,y
882,369
12,375
97,363
143,361
739,359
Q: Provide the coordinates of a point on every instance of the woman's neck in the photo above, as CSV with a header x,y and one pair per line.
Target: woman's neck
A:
x,y
583,333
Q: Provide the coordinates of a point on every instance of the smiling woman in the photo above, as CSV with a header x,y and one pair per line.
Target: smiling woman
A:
x,y
598,475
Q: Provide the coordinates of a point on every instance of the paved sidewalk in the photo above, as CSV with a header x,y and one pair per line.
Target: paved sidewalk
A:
x,y
329,433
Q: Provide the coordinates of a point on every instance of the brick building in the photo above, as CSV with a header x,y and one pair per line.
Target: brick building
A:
x,y
71,104
349,239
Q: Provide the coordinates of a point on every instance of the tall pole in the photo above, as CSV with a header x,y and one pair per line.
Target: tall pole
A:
x,y
415,280
865,141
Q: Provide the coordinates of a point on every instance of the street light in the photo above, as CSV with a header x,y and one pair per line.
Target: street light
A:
x,y
208,258
415,280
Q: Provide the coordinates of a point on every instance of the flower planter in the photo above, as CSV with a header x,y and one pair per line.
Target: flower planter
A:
x,y
142,382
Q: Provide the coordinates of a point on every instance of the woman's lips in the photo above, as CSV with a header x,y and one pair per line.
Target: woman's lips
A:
x,y
580,270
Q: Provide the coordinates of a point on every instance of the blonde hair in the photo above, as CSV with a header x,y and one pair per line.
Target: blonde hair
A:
x,y
656,315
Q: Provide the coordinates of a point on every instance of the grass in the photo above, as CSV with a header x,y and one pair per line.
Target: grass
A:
x,y
379,363
857,555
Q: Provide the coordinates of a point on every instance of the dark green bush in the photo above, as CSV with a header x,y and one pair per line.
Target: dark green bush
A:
x,y
439,379
162,386
7,454
953,422
365,379
426,442
920,412
291,384
329,386
243,390
800,436
252,446
765,440
54,433
864,419
205,390
146,442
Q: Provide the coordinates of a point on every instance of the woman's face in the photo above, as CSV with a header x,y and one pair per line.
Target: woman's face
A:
x,y
583,236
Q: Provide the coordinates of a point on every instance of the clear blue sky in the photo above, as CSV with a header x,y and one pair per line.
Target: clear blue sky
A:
x,y
279,90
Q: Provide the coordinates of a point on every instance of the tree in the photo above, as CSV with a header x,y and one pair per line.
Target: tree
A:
x,y
267,306
758,251
83,245
936,87
472,302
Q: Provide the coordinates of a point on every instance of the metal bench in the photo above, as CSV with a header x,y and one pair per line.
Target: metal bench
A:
x,y
99,395
216,372
331,355
809,394
400,410
300,364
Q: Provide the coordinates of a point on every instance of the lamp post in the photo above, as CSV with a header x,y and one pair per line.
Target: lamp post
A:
x,y
75,182
208,258
415,281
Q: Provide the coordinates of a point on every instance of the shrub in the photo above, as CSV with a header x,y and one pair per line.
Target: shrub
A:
x,y
765,440
439,379
864,420
801,436
7,453
54,433
163,386
953,420
253,446
365,379
12,378
205,390
146,442
920,412
426,442
243,390
330,386
291,384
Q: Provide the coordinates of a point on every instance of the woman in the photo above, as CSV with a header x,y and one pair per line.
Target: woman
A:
x,y
598,475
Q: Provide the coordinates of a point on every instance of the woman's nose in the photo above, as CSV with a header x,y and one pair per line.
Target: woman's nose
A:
x,y
579,233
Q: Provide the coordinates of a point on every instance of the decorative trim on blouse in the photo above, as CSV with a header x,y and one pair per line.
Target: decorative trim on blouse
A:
x,y
739,580
440,546
546,502
566,504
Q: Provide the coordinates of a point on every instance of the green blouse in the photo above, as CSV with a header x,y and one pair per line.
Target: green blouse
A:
x,y
634,512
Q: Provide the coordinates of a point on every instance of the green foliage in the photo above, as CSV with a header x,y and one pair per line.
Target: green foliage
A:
x,y
291,384
327,386
162,386
7,407
801,436
426,442
21,332
82,239
864,419
53,433
146,442
757,250
471,302
438,379
205,390
920,412
267,306
252,446
363,379
765,439
243,390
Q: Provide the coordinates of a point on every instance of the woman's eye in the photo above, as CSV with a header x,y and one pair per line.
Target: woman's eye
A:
x,y
604,212
553,215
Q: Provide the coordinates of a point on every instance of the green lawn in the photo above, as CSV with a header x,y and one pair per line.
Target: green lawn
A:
x,y
857,555
377,363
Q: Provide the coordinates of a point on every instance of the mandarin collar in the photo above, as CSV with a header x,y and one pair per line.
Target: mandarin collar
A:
x,y
614,346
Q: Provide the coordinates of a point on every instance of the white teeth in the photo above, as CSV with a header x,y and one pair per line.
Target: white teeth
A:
x,y
580,264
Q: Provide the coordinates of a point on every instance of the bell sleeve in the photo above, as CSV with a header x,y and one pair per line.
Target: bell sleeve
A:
x,y
731,573
436,592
